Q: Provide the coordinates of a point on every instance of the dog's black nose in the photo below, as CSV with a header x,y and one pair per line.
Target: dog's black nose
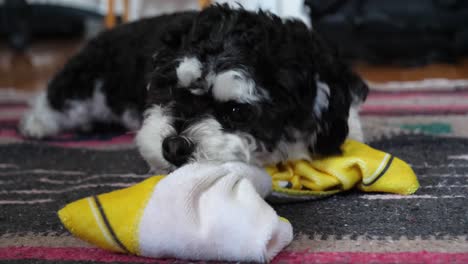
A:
x,y
177,149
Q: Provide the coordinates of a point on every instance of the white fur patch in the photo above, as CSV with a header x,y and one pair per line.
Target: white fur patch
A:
x,y
285,150
131,119
80,113
215,144
321,98
42,121
96,106
189,70
295,150
235,85
156,127
354,124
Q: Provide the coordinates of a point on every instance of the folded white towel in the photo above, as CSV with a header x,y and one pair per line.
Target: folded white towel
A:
x,y
213,212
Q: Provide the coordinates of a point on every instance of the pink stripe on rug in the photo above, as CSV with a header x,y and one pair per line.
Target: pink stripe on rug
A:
x,y
9,121
390,96
13,107
124,139
365,257
69,254
9,133
413,109
94,254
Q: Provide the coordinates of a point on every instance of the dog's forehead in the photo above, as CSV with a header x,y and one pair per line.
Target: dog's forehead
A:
x,y
234,84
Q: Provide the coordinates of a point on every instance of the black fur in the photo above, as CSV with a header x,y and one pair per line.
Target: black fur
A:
x,y
121,58
282,56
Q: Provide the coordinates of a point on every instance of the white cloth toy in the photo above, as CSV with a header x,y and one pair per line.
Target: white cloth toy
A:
x,y
202,211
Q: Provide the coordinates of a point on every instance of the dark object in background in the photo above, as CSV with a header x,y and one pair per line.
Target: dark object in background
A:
x,y
411,32
20,22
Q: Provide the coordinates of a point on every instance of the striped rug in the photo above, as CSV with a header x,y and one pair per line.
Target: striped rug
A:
x,y
432,107
39,177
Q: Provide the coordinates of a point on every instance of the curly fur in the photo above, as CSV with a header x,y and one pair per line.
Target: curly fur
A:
x,y
239,85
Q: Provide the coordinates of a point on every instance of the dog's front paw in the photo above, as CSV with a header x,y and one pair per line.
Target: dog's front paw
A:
x,y
41,120
32,125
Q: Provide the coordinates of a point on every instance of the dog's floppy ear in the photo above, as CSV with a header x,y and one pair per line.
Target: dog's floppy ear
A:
x,y
317,86
357,88
331,117
337,89
346,90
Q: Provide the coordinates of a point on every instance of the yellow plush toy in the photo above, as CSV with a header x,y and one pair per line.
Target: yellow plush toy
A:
x,y
208,211
359,165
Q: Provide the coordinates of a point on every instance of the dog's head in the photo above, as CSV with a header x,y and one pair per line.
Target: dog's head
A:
x,y
237,85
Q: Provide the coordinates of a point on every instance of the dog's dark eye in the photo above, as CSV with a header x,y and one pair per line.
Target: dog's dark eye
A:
x,y
238,113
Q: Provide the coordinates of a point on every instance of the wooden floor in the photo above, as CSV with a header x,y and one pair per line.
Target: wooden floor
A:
x,y
394,73
31,70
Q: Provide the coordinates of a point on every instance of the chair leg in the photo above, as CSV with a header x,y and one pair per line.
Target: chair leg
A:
x,y
110,20
204,3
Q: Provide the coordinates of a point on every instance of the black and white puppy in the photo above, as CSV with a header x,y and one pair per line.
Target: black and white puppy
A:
x,y
221,84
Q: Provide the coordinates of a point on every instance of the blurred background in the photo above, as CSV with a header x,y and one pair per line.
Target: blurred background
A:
x,y
412,52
